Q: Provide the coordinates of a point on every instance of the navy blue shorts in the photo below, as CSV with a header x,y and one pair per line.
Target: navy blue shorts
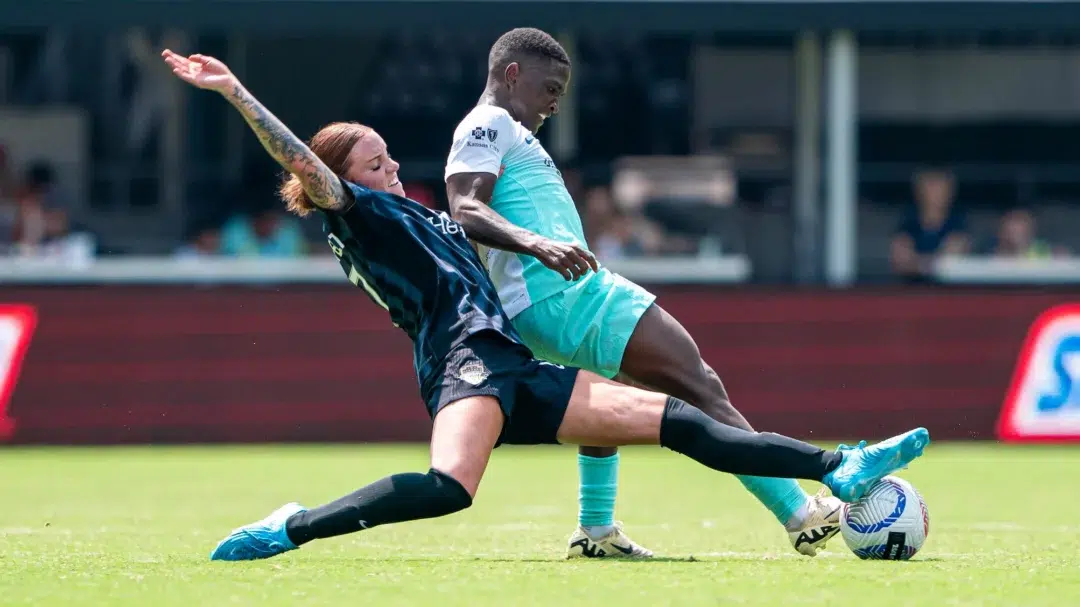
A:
x,y
533,394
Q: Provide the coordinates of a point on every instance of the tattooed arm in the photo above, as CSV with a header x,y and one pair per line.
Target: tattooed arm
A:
x,y
320,183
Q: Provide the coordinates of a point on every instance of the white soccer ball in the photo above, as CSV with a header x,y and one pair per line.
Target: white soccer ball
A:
x,y
890,522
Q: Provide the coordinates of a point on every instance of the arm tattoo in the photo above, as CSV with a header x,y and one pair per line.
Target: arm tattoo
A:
x,y
321,184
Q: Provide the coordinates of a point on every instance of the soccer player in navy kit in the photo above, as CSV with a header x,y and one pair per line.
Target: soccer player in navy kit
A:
x,y
481,385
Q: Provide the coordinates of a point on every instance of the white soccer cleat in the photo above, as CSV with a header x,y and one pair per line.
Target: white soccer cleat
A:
x,y
614,545
821,524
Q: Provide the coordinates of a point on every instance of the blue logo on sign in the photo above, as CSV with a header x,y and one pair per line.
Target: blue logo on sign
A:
x,y
1055,401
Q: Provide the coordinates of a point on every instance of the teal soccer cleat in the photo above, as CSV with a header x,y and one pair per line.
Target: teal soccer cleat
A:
x,y
863,466
259,540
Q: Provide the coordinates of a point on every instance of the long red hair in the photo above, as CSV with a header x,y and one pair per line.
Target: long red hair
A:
x,y
332,144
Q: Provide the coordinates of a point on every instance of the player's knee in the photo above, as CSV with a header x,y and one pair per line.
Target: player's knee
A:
x,y
681,424
707,391
447,495
712,398
712,380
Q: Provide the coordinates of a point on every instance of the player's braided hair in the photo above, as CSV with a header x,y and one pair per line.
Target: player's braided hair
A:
x,y
524,42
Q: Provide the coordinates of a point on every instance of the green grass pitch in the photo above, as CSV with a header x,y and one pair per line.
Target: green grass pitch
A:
x,y
134,526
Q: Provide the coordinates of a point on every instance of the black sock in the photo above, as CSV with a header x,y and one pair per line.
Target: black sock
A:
x,y
687,430
394,499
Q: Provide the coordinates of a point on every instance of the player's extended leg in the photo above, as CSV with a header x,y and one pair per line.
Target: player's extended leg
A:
x,y
602,412
662,355
462,439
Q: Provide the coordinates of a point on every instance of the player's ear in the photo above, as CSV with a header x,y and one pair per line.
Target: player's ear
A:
x,y
511,73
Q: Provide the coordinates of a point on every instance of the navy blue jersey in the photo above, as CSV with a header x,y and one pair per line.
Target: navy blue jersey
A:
x,y
419,266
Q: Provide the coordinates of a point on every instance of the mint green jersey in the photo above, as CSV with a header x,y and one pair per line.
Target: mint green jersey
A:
x,y
529,193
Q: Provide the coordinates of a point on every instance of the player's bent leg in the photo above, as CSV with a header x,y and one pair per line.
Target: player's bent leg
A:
x,y
662,355
464,434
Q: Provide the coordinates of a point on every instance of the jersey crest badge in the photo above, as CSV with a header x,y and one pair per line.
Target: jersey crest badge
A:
x,y
1043,400
473,373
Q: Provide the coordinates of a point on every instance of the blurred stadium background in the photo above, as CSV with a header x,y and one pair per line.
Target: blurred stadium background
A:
x,y
857,208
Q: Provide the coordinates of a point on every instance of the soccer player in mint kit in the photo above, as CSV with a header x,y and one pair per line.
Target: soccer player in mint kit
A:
x,y
506,192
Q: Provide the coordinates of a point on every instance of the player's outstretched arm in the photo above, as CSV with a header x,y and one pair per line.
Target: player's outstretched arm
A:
x,y
320,183
469,195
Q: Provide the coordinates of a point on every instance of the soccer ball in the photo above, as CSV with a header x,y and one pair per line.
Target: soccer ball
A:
x,y
890,522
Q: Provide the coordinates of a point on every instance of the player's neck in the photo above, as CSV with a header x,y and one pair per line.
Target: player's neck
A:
x,y
495,95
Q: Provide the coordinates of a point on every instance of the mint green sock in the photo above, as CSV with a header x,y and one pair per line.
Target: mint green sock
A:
x,y
599,484
782,496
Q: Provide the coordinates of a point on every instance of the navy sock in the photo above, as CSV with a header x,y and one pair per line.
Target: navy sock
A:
x,y
687,430
394,499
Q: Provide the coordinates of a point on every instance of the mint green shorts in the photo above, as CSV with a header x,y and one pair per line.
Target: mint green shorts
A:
x,y
588,325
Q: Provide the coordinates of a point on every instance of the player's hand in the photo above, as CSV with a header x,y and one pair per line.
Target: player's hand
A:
x,y
201,71
567,259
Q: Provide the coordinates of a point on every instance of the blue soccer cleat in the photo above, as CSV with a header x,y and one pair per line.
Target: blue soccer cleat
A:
x,y
863,466
259,540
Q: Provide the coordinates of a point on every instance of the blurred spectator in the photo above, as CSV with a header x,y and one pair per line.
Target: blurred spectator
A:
x,y
614,233
9,210
933,226
206,242
608,230
685,200
1016,238
266,233
42,225
31,199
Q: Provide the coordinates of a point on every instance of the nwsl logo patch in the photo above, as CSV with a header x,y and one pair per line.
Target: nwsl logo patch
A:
x,y
473,373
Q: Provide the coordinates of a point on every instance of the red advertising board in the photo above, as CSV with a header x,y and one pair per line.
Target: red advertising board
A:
x,y
321,363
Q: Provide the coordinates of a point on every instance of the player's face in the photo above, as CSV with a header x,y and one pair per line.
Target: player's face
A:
x,y
372,167
535,89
